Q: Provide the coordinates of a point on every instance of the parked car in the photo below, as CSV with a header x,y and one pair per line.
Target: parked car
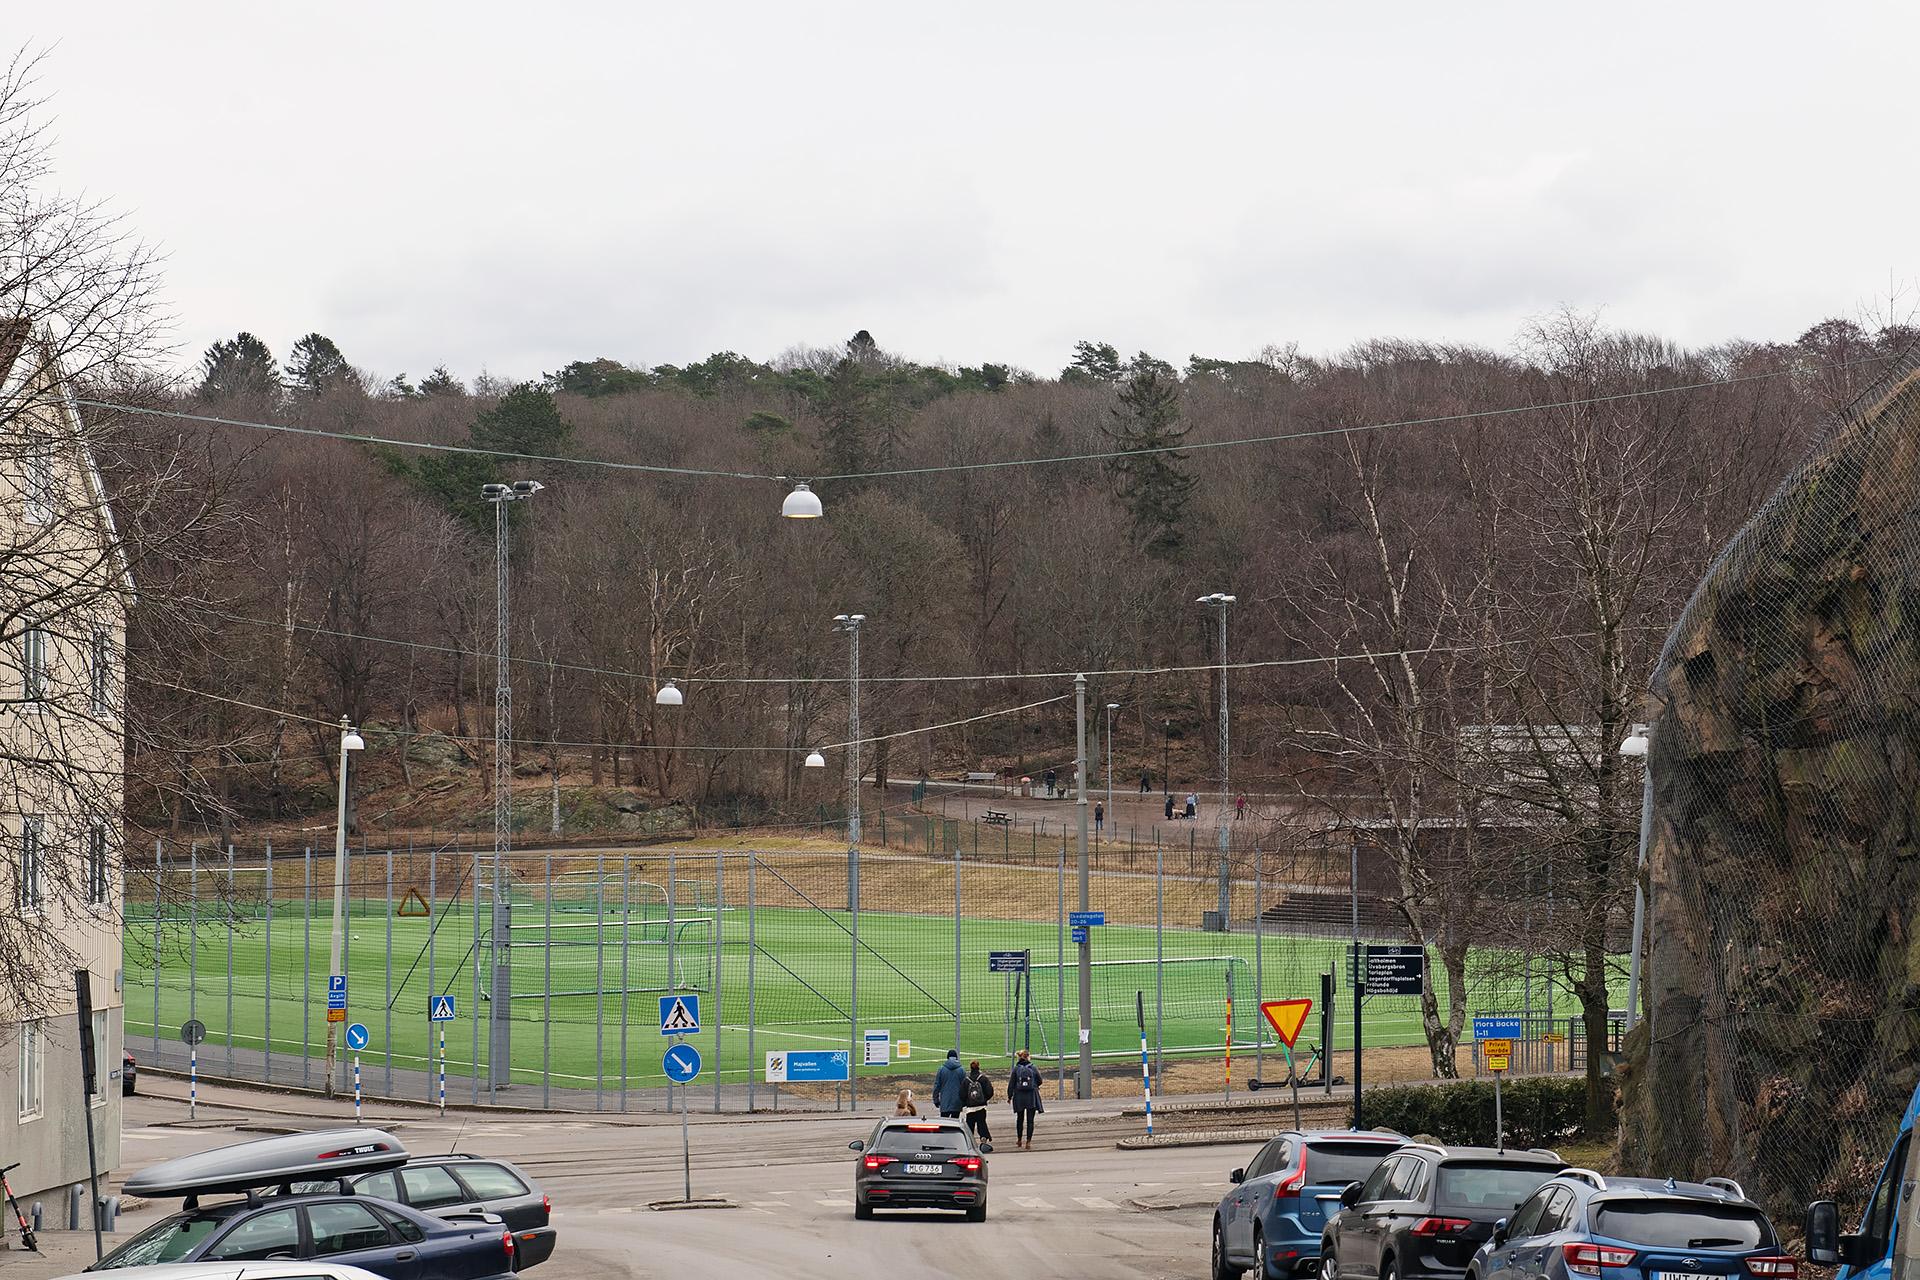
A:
x,y
456,1185
1273,1218
1581,1225
129,1073
244,1271
1425,1212
388,1239
919,1164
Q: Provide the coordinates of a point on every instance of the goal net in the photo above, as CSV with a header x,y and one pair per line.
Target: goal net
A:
x,y
611,955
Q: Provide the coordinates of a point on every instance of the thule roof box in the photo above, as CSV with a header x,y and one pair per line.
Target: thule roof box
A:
x,y
247,1166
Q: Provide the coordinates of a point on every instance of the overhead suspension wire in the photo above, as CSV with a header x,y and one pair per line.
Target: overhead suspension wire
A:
x,y
1105,455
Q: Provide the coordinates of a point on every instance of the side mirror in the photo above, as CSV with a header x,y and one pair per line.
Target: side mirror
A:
x,y
1237,1176
1823,1233
1350,1195
1499,1232
856,1145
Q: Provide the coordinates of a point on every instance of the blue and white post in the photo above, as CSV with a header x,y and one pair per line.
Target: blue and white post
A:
x,y
193,1078
1146,1077
443,1068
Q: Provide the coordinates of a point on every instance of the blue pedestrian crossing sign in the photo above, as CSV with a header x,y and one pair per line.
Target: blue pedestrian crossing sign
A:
x,y
357,1036
682,1063
336,991
679,1015
440,1009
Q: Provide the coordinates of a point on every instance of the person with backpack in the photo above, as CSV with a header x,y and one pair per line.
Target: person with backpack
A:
x,y
1023,1091
950,1086
979,1094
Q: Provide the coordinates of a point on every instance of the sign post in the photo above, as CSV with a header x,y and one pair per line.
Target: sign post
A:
x,y
1382,971
89,1083
1494,1037
682,1065
357,1038
1146,1078
440,1013
192,1032
1286,1017
878,1046
1229,1089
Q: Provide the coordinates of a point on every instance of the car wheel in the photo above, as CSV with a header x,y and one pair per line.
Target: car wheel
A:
x,y
1260,1265
1389,1270
862,1210
977,1214
1222,1268
1329,1263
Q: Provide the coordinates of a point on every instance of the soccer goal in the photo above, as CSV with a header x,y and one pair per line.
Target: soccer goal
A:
x,y
1188,992
612,955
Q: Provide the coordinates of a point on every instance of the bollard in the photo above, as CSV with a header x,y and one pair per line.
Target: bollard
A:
x,y
76,1196
38,1215
109,1213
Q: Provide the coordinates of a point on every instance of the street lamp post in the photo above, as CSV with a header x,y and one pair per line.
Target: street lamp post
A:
x,y
349,742
499,939
1084,1083
1111,708
1166,759
1640,744
850,624
1220,602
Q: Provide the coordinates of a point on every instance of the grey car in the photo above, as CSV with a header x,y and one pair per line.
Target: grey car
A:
x,y
446,1186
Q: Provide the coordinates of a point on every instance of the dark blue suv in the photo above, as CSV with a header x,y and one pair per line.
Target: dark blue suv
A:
x,y
1581,1226
1273,1216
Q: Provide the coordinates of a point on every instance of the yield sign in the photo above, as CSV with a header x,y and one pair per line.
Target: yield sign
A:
x,y
1287,1017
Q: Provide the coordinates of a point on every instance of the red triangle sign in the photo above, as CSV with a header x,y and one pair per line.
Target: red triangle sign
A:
x,y
1287,1017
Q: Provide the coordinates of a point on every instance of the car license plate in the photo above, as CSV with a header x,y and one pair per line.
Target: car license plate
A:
x,y
940,1168
1686,1275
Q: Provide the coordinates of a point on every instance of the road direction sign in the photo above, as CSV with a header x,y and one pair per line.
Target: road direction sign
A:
x,y
1006,962
1079,933
336,991
440,1009
1395,971
1287,1017
357,1036
192,1031
682,1063
1086,917
879,1048
679,1015
1496,1027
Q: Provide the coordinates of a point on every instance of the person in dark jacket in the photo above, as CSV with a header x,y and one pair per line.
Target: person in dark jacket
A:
x,y
979,1094
1169,806
1023,1091
950,1086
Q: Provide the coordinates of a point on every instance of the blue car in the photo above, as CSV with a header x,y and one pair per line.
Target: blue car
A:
x,y
1581,1226
1273,1217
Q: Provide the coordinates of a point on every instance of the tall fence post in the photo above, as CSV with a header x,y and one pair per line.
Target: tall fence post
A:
x,y
266,1006
387,994
306,971
1259,928
719,926
673,888
1159,956
956,951
233,907
546,992
193,930
1060,973
479,959
159,900
433,934
752,1068
626,964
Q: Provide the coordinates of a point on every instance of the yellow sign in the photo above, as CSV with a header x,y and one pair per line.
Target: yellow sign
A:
x,y
1497,1062
336,1015
1555,1037
1496,1048
906,1048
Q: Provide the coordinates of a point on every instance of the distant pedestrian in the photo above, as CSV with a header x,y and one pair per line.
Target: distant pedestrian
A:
x,y
1169,806
979,1094
1145,784
1023,1091
1193,805
1049,782
950,1086
1240,807
1099,817
903,1105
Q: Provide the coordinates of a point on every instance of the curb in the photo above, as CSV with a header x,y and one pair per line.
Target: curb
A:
x,y
1202,1138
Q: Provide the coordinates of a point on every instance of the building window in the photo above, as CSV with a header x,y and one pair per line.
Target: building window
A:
x,y
97,864
38,489
103,1057
33,663
33,1066
32,855
101,674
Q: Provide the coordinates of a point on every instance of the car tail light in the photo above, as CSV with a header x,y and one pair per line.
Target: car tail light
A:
x,y
1779,1267
1431,1227
506,1242
968,1164
878,1162
1588,1259
924,1128
1293,1183
546,1205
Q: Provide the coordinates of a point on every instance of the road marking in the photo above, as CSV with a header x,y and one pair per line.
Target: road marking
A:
x,y
1031,1202
769,1204
1095,1202
835,1204
143,1137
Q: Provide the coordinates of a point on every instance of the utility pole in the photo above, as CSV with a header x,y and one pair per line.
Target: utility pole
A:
x,y
1084,1086
499,937
850,623
1640,744
1219,601
349,743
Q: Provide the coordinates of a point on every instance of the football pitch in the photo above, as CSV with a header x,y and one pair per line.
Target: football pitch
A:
x,y
585,1010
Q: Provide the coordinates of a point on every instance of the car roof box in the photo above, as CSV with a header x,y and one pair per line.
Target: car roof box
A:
x,y
295,1157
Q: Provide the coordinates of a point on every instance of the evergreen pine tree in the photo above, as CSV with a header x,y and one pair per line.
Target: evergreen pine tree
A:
x,y
315,366
1152,477
241,366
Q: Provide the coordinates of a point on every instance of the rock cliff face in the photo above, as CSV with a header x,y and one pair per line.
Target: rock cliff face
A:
x,y
1783,982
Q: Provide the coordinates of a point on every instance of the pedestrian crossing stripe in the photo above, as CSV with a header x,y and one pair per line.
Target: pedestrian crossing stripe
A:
x,y
679,1015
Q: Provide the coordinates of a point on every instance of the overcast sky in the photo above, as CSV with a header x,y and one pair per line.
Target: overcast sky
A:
x,y
511,186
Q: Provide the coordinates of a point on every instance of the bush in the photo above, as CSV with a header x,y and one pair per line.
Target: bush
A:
x,y
1539,1112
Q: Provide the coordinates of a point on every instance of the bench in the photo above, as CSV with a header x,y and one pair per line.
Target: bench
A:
x,y
995,817
977,776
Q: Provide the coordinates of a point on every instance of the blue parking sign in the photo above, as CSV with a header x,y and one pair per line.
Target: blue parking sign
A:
x,y
336,991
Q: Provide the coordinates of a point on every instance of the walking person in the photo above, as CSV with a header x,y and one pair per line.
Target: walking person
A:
x,y
1193,805
1145,783
979,1094
903,1105
1240,807
1023,1091
950,1086
1169,806
1099,817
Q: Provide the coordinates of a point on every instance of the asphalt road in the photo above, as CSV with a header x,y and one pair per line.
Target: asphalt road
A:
x,y
1074,1207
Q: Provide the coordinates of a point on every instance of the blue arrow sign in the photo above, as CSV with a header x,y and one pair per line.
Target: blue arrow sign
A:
x,y
1487,1027
440,1009
357,1036
336,991
682,1063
